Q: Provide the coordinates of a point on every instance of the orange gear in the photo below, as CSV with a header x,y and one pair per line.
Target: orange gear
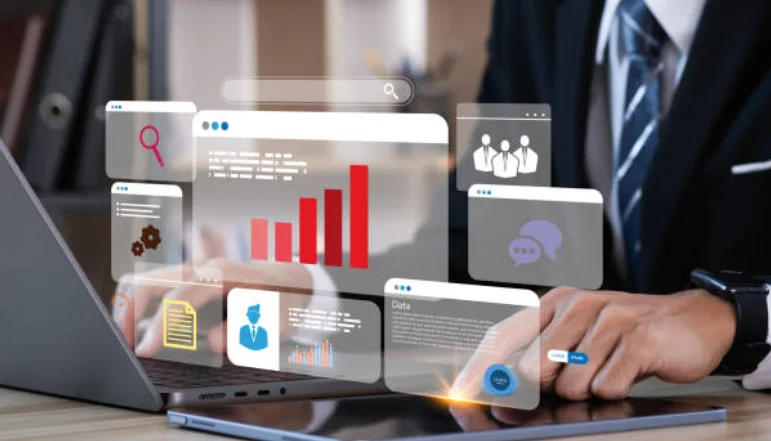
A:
x,y
151,237
137,249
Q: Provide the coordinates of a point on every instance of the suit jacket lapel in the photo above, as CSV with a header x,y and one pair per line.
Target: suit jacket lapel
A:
x,y
576,34
722,50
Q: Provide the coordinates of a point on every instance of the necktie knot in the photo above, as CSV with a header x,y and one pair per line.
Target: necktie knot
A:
x,y
641,33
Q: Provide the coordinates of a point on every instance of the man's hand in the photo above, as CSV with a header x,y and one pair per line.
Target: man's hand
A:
x,y
678,338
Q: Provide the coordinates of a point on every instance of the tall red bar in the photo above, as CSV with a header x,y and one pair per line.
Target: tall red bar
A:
x,y
308,234
359,183
283,237
333,227
259,239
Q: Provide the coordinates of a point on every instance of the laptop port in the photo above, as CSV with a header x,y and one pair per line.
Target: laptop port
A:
x,y
240,394
263,392
283,391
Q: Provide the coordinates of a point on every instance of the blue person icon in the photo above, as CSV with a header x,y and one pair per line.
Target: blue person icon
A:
x,y
252,336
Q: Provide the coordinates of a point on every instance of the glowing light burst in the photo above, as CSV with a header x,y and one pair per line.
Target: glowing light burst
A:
x,y
448,394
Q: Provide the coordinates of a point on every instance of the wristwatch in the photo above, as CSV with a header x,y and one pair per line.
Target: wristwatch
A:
x,y
748,294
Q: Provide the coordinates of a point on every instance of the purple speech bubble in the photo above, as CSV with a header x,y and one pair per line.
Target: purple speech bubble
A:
x,y
546,233
524,250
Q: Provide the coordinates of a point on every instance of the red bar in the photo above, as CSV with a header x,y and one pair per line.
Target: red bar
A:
x,y
308,233
333,227
359,216
259,239
283,242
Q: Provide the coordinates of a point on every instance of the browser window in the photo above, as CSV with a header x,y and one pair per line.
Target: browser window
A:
x,y
434,329
334,190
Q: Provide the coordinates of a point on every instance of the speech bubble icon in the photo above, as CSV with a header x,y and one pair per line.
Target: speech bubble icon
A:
x,y
524,250
546,233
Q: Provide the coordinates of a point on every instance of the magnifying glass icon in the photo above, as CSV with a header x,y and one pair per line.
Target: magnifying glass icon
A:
x,y
388,89
154,145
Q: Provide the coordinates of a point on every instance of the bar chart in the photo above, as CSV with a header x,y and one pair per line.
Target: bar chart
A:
x,y
308,227
320,355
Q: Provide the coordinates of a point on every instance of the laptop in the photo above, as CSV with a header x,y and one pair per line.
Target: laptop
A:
x,y
58,338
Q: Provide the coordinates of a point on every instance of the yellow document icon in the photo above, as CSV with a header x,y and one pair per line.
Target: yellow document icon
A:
x,y
179,325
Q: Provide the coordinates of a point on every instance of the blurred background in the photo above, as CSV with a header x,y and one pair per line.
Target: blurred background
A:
x,y
61,61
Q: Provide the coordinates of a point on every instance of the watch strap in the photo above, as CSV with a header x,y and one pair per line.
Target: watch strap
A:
x,y
750,346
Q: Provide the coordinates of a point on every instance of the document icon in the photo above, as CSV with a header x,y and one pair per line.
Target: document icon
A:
x,y
179,325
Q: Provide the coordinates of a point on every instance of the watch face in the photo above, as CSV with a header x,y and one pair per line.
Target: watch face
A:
x,y
738,282
728,283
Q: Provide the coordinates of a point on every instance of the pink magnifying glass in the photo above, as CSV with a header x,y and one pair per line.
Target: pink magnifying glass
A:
x,y
154,145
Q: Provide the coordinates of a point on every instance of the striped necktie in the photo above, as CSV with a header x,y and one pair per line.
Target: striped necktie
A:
x,y
642,37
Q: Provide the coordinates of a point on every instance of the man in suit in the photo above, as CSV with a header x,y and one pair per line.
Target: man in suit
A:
x,y
663,107
253,336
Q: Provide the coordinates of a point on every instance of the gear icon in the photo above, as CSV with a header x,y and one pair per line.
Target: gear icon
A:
x,y
137,249
151,237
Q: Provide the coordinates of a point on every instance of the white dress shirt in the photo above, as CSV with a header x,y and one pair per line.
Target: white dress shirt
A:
x,y
679,19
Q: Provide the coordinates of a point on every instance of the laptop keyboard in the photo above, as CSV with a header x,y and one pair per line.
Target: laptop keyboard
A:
x,y
186,376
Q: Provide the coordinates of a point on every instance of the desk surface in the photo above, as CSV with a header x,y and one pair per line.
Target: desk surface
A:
x,y
26,416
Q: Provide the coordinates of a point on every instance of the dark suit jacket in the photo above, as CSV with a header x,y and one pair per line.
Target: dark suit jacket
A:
x,y
695,212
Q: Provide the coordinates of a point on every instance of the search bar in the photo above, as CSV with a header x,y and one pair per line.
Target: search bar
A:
x,y
370,91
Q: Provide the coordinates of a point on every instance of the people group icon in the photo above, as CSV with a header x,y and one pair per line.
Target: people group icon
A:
x,y
252,336
505,164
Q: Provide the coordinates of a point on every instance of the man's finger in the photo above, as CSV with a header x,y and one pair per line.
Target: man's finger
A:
x,y
500,342
618,375
574,381
506,338
574,315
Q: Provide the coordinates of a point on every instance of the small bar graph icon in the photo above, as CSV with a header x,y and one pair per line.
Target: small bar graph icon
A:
x,y
333,227
320,355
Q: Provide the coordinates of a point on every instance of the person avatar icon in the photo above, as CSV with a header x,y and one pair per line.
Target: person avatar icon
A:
x,y
252,336
483,156
528,159
505,164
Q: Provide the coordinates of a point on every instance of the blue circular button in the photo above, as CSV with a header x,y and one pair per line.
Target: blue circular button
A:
x,y
500,381
225,125
215,125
